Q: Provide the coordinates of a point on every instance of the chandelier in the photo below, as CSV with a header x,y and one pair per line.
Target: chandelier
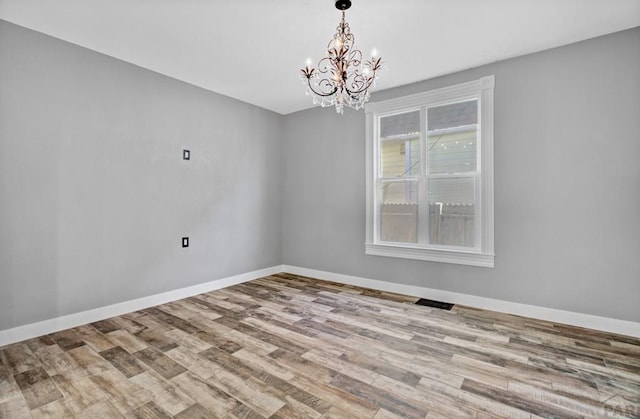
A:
x,y
341,78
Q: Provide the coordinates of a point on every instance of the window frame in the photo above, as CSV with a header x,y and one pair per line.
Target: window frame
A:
x,y
483,255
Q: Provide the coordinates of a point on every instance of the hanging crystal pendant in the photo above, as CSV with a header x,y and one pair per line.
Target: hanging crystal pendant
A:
x,y
342,78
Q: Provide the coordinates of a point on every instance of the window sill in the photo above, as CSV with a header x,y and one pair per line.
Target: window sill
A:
x,y
434,255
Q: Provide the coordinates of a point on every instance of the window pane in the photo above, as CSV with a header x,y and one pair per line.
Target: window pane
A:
x,y
452,138
400,145
452,211
399,211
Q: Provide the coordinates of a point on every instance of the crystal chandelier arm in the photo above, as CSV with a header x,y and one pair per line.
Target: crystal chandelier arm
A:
x,y
361,82
327,88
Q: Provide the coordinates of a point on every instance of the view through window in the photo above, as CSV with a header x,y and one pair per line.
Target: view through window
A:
x,y
431,176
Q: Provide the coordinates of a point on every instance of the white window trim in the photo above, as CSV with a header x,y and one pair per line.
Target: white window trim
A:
x,y
481,88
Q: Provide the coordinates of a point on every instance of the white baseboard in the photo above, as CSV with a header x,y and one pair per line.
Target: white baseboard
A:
x,y
622,327
20,333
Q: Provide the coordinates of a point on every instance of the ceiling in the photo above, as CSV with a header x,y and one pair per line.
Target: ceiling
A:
x,y
252,50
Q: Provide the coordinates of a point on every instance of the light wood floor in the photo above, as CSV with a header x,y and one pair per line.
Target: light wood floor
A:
x,y
286,346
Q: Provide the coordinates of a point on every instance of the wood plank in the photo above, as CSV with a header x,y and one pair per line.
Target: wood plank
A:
x,y
56,409
94,338
249,392
190,342
195,411
123,394
580,406
381,368
15,407
104,409
67,339
8,387
89,361
161,363
77,395
150,410
195,363
258,363
19,358
286,346
124,362
37,343
157,339
525,403
163,392
396,404
127,341
454,395
170,319
344,367
37,387
209,396
298,399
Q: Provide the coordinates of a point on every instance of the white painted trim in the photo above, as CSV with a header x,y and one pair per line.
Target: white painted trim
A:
x,y
44,327
20,333
487,164
483,252
606,324
463,257
371,132
447,94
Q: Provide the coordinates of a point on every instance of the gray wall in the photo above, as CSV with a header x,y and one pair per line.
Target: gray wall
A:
x,y
95,196
567,188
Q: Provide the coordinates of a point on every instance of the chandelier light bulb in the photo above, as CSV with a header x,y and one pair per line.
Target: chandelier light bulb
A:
x,y
342,77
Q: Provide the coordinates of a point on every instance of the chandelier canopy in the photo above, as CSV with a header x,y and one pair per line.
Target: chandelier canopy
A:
x,y
341,78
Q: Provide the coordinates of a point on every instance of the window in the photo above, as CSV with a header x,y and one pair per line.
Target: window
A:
x,y
430,175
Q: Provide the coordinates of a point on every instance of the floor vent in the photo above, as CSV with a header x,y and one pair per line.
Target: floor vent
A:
x,y
432,303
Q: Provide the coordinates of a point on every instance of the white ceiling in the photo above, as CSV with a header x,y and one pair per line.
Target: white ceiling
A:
x,y
252,50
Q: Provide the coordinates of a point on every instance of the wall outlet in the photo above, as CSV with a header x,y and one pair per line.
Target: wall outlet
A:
x,y
185,242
